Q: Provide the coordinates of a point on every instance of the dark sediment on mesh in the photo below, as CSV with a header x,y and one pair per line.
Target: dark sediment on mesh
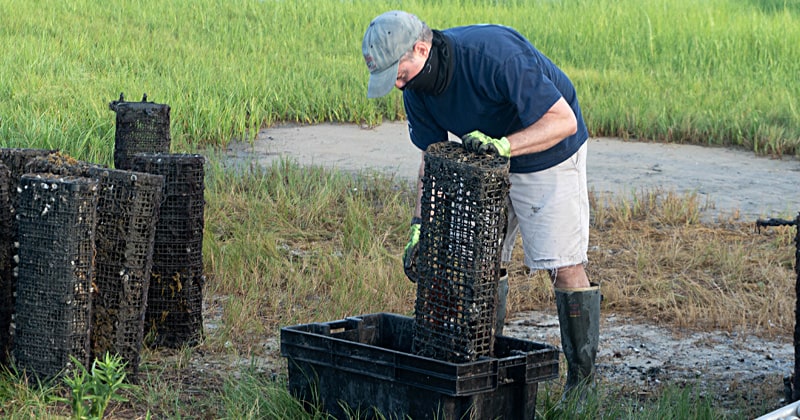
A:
x,y
174,311
127,212
56,220
141,127
464,216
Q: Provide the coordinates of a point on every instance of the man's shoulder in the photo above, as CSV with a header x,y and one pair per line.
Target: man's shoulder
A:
x,y
489,39
480,31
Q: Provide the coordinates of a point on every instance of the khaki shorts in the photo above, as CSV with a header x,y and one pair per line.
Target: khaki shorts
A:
x,y
550,208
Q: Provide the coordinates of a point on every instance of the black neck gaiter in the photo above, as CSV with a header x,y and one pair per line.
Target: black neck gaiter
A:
x,y
437,72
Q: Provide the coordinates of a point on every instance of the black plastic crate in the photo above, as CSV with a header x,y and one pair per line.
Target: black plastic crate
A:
x,y
365,363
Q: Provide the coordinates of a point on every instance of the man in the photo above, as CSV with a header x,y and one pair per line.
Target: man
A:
x,y
489,86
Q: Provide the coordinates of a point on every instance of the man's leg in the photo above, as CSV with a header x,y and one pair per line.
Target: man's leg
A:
x,y
578,306
552,208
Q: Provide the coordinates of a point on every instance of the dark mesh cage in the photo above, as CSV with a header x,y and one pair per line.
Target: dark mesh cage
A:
x,y
6,268
14,161
174,303
463,222
128,206
142,127
56,221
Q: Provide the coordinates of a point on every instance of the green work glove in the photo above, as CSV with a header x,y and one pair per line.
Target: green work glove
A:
x,y
481,143
410,253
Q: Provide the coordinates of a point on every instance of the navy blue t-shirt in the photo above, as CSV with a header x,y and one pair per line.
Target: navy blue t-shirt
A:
x,y
501,84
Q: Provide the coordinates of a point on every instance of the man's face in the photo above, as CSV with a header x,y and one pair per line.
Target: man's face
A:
x,y
410,67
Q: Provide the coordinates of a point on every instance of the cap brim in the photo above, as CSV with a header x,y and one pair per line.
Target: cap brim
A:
x,y
382,82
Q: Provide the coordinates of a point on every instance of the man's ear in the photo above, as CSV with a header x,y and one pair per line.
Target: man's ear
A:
x,y
422,48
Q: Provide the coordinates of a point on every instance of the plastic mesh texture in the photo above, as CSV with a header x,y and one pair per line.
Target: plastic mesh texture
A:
x,y
464,218
128,206
174,308
6,268
56,220
142,127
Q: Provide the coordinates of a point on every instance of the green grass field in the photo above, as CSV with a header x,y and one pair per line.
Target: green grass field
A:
x,y
286,245
717,72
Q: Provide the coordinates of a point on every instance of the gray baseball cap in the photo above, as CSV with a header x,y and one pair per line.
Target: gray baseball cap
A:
x,y
388,37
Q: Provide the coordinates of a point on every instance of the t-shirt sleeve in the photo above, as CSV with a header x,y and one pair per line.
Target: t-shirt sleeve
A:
x,y
524,83
422,129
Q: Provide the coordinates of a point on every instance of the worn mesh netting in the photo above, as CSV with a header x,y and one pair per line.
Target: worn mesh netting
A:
x,y
463,221
56,220
127,212
142,127
174,309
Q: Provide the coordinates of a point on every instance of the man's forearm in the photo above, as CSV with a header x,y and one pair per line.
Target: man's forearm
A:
x,y
556,124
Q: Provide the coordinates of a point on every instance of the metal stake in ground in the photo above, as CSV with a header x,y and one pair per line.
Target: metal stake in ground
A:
x,y
792,383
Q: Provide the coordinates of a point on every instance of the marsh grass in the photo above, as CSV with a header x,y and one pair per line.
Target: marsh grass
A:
x,y
657,261
718,72
292,244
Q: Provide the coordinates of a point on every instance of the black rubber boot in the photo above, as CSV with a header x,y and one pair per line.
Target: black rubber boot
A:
x,y
579,318
502,299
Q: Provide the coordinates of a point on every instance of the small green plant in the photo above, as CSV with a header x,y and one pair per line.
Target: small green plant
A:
x,y
92,391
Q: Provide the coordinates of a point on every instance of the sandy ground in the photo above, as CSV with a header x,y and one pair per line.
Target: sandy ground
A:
x,y
639,357
732,180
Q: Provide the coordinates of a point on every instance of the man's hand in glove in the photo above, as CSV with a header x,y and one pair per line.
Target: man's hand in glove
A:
x,y
411,251
481,143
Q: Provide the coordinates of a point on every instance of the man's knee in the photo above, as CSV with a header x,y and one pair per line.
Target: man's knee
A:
x,y
570,277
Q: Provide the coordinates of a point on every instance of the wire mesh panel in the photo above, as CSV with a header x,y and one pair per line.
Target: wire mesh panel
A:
x,y
56,221
128,206
14,161
463,220
174,303
142,127
6,268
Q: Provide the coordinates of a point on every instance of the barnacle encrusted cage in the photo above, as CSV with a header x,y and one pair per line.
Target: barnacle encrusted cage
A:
x,y
128,206
56,221
463,222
